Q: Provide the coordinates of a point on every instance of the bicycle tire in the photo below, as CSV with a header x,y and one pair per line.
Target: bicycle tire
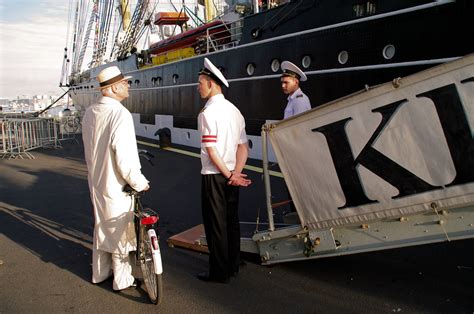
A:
x,y
153,282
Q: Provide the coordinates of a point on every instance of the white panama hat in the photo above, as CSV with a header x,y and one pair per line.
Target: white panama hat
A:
x,y
289,69
110,76
213,72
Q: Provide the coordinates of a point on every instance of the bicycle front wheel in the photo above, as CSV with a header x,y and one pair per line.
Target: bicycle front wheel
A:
x,y
153,282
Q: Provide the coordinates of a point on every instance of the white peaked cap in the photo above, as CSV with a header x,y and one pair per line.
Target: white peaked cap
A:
x,y
110,75
289,69
212,71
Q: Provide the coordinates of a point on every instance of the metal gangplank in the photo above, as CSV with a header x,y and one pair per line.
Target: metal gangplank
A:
x,y
388,167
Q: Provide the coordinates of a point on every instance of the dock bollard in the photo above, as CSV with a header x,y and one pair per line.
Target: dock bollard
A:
x,y
165,137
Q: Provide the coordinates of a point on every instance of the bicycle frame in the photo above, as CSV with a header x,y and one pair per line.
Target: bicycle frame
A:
x,y
149,219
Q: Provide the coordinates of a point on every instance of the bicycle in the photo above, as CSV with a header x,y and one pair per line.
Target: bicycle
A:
x,y
148,255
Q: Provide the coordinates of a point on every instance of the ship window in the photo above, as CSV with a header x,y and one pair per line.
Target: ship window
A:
x,y
275,65
175,78
92,86
153,81
129,83
158,81
188,135
250,69
343,57
364,9
388,52
250,144
137,82
306,61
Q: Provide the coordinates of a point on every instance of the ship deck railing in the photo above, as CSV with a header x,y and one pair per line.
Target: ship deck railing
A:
x,y
224,35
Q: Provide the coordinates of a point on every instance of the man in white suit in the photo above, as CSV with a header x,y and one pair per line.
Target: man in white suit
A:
x,y
111,155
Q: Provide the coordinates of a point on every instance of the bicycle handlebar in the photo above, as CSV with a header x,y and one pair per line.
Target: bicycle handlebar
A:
x,y
131,191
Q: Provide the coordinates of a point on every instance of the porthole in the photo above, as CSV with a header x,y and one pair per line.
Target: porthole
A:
x,y
275,65
343,57
158,81
250,69
188,136
153,81
137,82
388,52
129,83
306,62
175,78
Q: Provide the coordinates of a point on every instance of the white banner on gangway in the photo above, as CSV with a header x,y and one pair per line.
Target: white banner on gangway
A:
x,y
398,149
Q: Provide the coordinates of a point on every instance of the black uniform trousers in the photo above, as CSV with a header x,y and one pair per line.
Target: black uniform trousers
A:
x,y
220,214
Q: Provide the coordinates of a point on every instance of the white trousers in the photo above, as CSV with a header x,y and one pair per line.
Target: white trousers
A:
x,y
104,264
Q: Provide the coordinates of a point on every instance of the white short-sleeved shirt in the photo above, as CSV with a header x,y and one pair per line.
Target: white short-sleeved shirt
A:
x,y
222,126
298,102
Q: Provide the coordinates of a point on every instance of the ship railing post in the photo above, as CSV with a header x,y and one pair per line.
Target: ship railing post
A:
x,y
207,40
3,148
255,6
266,177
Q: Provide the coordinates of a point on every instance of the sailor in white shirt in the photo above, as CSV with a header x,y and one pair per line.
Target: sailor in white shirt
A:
x,y
298,102
290,79
224,151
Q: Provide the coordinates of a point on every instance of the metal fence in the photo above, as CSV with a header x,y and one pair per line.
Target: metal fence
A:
x,y
19,136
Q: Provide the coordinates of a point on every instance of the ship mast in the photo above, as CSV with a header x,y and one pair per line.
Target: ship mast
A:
x,y
125,10
210,10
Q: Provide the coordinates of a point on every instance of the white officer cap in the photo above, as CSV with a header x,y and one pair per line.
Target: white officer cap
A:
x,y
289,69
213,72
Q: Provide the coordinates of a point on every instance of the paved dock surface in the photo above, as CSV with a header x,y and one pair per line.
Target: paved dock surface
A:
x,y
45,253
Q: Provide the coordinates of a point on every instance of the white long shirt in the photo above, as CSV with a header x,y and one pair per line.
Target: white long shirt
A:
x,y
221,125
111,155
298,102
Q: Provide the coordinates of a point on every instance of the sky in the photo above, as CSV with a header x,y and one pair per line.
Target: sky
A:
x,y
33,35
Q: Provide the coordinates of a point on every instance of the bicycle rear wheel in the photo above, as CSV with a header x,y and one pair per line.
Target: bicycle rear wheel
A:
x,y
153,282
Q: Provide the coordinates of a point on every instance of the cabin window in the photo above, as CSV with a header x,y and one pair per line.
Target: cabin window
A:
x,y
188,136
153,81
306,61
388,52
250,69
158,81
175,78
137,82
129,83
275,65
343,57
250,144
364,9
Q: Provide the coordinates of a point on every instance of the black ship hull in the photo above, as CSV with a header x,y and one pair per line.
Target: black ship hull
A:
x,y
346,53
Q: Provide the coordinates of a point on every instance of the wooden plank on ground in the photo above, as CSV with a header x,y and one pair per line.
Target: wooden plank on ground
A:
x,y
190,239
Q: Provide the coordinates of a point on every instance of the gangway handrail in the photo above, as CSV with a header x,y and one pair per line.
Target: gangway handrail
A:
x,y
234,30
